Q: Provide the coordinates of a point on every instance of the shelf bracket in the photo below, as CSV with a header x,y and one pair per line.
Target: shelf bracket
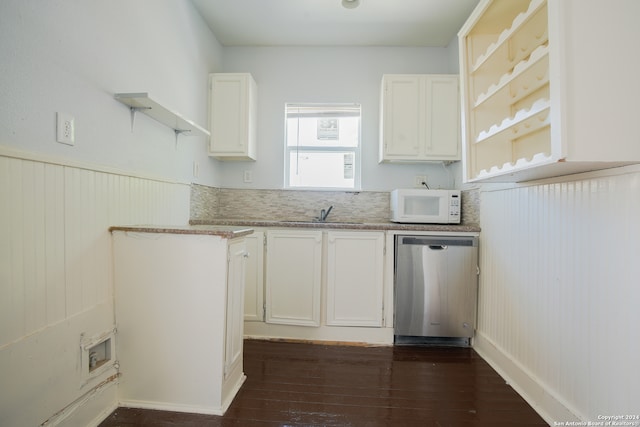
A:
x,y
179,132
134,110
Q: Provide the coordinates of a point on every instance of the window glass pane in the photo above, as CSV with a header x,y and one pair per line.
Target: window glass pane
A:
x,y
323,132
322,146
321,169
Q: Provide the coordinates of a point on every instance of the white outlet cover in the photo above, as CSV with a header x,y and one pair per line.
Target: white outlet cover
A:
x,y
65,129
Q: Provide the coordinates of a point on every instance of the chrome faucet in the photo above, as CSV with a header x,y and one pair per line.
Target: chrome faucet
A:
x,y
324,214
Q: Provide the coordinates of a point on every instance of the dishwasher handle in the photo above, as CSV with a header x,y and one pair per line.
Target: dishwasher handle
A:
x,y
437,243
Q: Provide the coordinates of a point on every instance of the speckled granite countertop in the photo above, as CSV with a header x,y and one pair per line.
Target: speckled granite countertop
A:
x,y
225,231
342,225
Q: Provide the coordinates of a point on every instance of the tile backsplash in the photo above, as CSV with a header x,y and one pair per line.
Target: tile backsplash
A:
x,y
470,206
210,204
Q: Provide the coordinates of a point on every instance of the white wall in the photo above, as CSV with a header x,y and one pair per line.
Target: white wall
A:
x,y
454,55
558,303
58,201
320,74
72,56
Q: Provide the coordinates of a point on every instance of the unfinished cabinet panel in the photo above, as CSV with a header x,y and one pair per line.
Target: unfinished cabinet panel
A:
x,y
294,268
233,116
532,77
419,118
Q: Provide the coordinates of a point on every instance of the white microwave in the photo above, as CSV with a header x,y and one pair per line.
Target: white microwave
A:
x,y
425,206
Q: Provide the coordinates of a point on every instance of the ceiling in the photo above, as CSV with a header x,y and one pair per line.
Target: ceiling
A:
x,y
328,23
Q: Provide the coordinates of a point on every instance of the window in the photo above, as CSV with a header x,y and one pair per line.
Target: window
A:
x,y
322,146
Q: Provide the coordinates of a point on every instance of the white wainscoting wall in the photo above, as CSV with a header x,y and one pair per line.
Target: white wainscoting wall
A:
x,y
56,285
559,302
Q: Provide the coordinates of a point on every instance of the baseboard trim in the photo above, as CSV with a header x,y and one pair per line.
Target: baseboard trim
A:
x,y
341,335
232,394
543,400
163,406
318,342
192,409
106,413
71,410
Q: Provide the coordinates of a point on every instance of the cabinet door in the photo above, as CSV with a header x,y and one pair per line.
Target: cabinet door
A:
x,y
294,260
401,117
232,109
355,266
420,118
235,299
442,140
254,281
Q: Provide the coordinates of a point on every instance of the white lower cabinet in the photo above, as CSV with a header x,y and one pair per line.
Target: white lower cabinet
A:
x,y
254,281
355,281
321,285
293,278
234,331
178,300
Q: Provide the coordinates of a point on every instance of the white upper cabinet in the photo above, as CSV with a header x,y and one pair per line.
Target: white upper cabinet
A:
x,y
419,118
400,118
233,116
549,88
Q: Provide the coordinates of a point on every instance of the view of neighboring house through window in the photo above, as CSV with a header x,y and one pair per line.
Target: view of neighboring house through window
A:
x,y
322,146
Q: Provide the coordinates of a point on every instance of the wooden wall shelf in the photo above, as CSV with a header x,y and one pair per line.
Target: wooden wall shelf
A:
x,y
143,103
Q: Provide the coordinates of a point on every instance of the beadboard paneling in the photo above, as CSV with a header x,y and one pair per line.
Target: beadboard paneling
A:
x,y
56,280
559,291
31,247
55,250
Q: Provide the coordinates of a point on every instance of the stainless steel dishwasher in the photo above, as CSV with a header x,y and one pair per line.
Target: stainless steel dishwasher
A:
x,y
436,289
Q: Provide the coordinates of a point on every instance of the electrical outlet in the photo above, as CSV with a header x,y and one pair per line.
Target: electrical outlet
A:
x,y
65,130
419,179
248,176
196,169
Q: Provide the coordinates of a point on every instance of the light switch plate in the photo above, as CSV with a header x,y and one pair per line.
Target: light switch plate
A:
x,y
65,130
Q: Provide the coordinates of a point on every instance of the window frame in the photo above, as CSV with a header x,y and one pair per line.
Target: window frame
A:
x,y
357,149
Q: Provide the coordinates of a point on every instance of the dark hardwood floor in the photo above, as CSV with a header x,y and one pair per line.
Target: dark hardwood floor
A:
x,y
299,384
